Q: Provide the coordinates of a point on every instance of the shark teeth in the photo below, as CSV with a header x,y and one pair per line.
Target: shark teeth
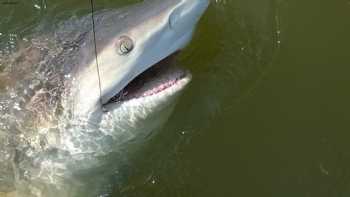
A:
x,y
159,88
154,80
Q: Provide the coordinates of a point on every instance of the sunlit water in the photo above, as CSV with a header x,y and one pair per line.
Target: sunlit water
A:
x,y
266,113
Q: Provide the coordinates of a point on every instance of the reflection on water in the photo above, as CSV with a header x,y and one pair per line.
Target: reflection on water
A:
x,y
9,44
17,17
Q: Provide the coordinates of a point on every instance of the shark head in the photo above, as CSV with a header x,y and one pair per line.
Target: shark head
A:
x,y
126,82
129,43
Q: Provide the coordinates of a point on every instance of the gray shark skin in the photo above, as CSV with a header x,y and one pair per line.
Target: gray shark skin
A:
x,y
63,122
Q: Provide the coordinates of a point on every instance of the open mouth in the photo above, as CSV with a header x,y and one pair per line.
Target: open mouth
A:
x,y
155,80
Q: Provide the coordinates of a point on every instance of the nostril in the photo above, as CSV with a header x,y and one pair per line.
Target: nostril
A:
x,y
173,19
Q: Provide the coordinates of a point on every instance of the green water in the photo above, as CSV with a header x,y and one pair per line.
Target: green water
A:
x,y
267,113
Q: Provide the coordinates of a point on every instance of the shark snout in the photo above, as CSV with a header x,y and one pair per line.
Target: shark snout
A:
x,y
187,14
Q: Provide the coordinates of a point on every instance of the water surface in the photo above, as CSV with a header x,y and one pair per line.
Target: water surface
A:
x,y
267,113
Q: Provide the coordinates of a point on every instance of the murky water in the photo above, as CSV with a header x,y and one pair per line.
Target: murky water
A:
x,y
267,113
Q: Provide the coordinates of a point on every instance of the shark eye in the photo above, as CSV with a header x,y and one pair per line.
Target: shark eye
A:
x,y
125,45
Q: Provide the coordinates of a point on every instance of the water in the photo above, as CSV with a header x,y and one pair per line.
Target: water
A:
x,y
267,113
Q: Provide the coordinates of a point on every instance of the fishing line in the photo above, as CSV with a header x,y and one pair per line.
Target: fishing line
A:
x,y
94,36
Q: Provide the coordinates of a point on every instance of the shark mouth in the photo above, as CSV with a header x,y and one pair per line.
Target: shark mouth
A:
x,y
160,77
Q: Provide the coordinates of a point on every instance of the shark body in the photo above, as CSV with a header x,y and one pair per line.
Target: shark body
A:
x,y
73,98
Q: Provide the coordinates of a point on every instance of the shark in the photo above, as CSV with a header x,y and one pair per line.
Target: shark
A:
x,y
89,91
